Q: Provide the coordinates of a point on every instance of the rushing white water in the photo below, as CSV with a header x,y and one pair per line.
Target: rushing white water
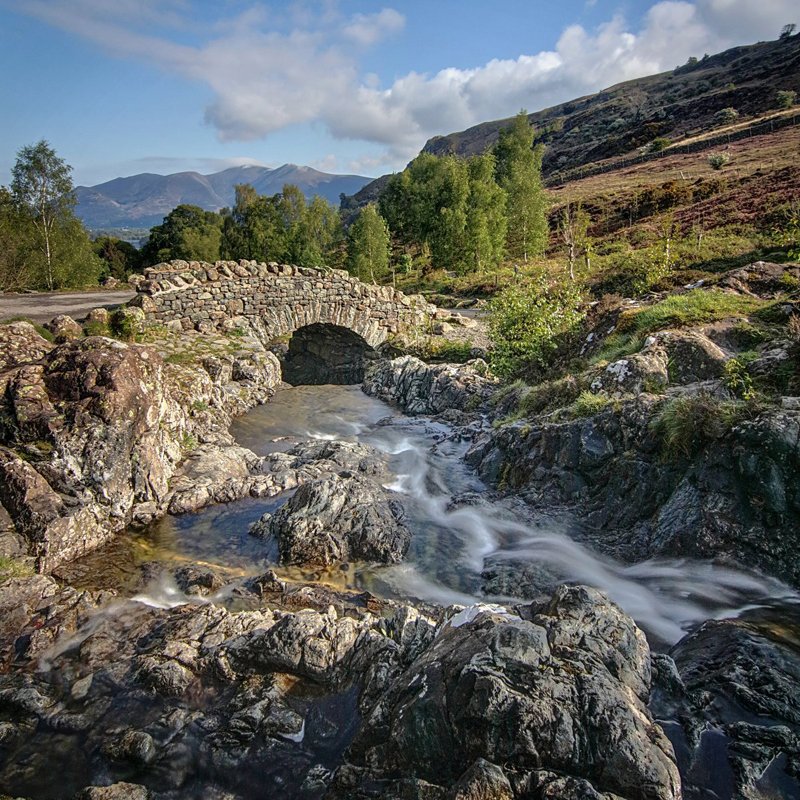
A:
x,y
457,531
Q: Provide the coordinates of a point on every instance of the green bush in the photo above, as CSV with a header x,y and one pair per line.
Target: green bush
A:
x,y
737,379
718,160
725,116
785,98
527,323
659,144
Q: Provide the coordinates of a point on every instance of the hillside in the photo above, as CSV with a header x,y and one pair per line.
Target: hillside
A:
x,y
676,105
140,201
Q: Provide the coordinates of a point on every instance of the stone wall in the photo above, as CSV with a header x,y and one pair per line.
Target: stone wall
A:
x,y
277,299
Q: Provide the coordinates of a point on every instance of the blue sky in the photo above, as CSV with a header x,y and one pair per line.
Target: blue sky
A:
x,y
126,86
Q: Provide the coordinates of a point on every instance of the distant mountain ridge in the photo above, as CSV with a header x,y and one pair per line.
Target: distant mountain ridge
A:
x,y
143,200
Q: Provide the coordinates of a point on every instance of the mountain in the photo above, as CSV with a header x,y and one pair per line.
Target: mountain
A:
x,y
141,201
618,121
674,105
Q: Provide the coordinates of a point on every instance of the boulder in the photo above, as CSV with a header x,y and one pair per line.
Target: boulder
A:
x,y
338,519
21,344
562,692
64,328
421,388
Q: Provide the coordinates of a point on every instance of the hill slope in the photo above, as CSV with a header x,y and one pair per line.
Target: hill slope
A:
x,y
143,200
675,105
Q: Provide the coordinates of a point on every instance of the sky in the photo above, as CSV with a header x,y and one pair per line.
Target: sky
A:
x,y
120,87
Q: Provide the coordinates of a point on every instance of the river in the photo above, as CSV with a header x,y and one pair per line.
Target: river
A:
x,y
466,541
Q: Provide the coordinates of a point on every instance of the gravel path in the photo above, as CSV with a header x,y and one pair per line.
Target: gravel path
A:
x,y
43,306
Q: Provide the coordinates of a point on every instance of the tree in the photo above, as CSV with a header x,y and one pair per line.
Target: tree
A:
x,y
486,223
254,228
574,227
787,30
17,239
121,258
368,246
41,183
527,324
519,172
187,232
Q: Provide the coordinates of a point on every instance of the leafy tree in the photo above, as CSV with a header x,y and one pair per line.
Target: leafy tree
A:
x,y
574,228
17,239
485,215
368,247
519,172
320,235
121,258
42,184
527,324
254,228
188,232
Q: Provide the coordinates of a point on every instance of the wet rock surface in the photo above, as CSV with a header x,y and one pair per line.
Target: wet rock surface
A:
x,y
422,388
737,700
342,698
91,432
338,519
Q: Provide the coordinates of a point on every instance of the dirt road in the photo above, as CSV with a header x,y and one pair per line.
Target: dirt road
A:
x,y
43,306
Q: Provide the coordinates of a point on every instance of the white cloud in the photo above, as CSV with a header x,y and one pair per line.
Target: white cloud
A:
x,y
369,29
269,70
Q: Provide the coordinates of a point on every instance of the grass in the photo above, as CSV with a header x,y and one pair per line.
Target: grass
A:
x,y
446,351
692,308
13,568
686,425
588,404
617,346
182,357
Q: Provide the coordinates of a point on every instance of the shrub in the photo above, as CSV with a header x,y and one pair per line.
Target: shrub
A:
x,y
726,115
718,160
527,323
659,144
737,379
785,98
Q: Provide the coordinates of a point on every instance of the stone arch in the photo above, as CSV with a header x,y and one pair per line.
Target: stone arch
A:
x,y
321,353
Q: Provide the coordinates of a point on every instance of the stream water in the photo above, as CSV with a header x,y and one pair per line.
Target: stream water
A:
x,y
461,536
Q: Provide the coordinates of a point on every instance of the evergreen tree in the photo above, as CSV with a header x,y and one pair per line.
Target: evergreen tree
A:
x,y
519,172
368,250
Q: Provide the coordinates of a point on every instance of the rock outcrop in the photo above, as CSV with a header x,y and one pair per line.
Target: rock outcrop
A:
x,y
421,388
91,432
332,701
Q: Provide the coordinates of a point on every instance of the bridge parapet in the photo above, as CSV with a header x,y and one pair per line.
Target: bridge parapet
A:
x,y
277,299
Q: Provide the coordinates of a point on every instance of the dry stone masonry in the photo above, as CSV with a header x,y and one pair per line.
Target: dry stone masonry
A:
x,y
340,319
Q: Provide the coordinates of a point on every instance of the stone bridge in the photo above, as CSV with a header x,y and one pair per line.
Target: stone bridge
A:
x,y
334,323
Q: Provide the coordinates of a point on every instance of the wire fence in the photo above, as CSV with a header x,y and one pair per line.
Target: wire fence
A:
x,y
757,129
